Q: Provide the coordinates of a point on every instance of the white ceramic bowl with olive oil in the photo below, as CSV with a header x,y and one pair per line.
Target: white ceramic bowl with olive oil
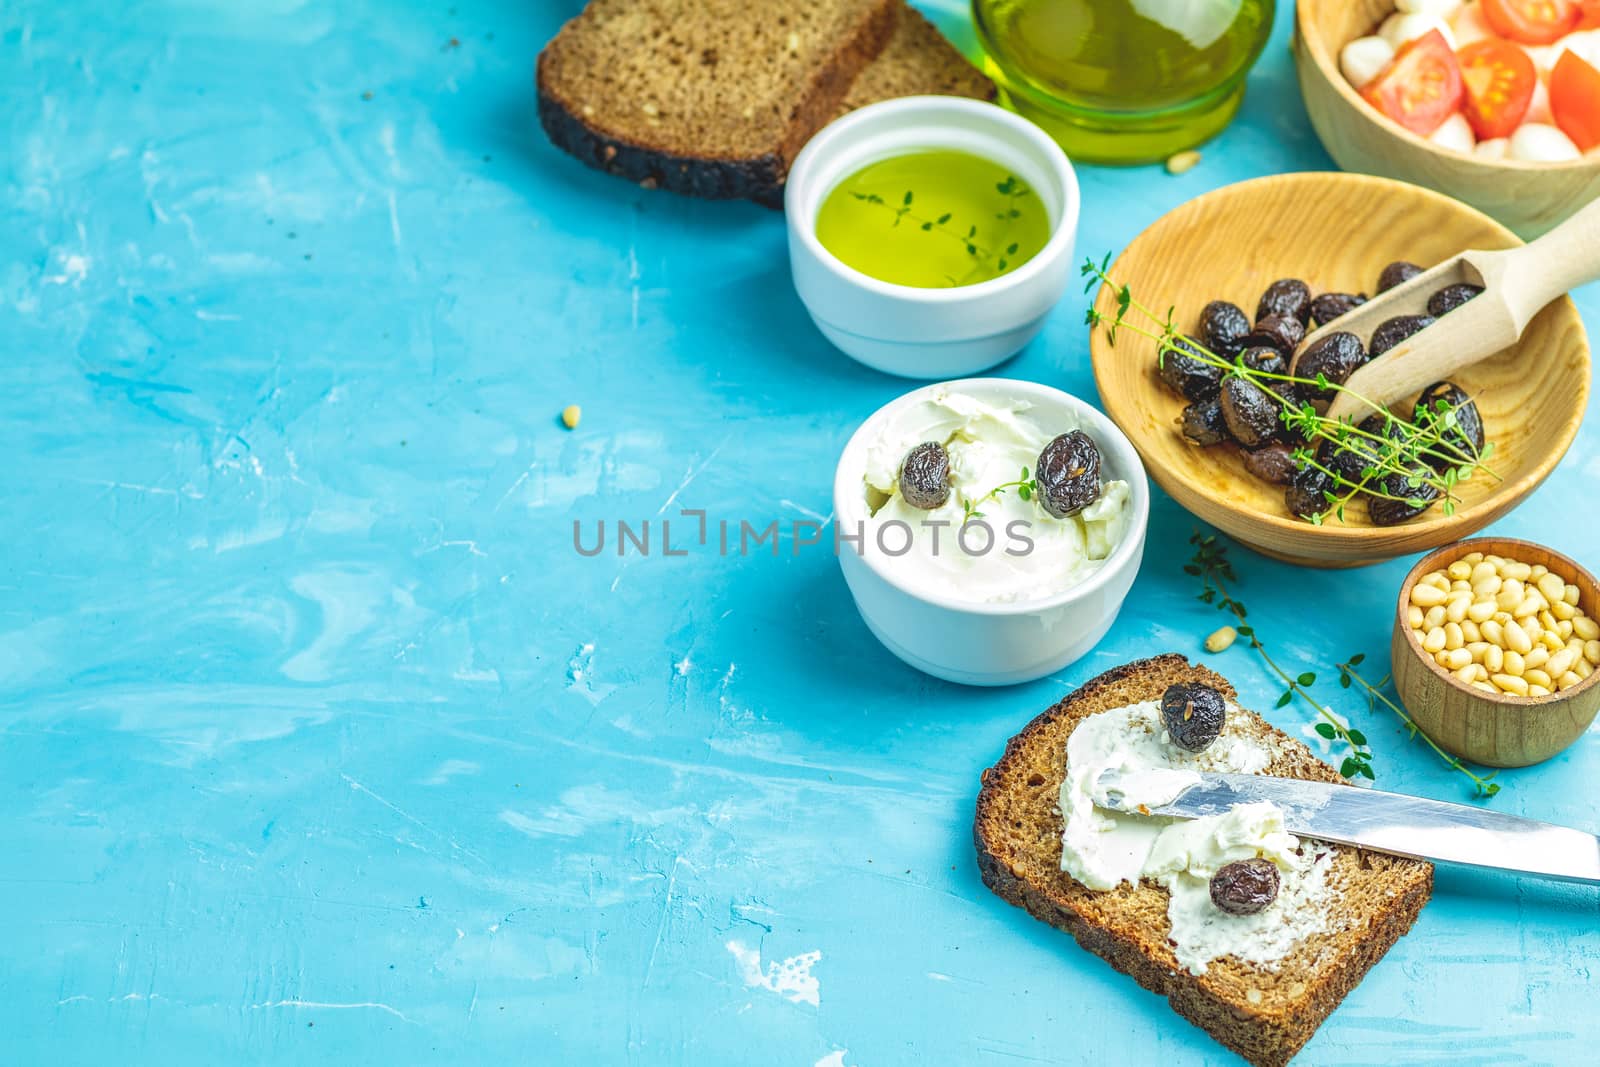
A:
x,y
947,196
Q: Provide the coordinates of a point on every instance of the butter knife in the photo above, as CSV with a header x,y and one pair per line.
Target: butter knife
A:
x,y
1390,822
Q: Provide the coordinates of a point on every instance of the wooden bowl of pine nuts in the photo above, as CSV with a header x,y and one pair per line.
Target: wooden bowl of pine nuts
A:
x,y
1496,650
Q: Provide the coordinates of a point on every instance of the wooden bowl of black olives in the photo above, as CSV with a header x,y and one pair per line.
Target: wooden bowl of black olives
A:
x,y
1238,436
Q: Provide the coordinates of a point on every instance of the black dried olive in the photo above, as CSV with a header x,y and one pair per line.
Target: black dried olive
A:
x,y
1264,359
1288,298
925,476
1251,414
1273,463
1329,306
1277,331
1068,474
1244,887
1203,423
1222,327
1397,273
1188,374
1194,714
1451,297
1335,356
1352,459
1446,406
1392,331
1307,492
1402,500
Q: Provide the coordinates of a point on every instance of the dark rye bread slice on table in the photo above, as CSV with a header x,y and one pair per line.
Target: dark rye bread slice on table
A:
x,y
1265,1016
711,98
917,61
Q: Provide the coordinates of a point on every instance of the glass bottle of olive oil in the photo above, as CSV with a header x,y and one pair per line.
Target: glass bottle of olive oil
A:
x,y
1123,81
933,219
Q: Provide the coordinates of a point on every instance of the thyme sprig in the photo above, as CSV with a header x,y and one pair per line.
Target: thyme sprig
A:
x,y
1210,564
1403,454
1482,784
1025,486
997,261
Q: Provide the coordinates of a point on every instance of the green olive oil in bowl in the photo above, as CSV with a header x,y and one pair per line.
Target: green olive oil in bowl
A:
x,y
1123,81
933,219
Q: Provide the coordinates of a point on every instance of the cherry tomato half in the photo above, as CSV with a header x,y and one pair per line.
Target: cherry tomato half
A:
x,y
1421,86
1575,100
1590,17
1532,21
1500,79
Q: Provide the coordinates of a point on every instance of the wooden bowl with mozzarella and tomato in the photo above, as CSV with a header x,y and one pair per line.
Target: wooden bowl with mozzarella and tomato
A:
x,y
1493,102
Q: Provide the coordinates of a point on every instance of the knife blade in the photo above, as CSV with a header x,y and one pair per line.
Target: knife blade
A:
x,y
1389,822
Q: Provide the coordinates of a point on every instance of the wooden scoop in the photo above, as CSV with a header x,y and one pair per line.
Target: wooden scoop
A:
x,y
1517,283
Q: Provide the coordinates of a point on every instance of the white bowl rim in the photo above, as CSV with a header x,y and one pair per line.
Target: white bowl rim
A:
x,y
1062,235
1328,67
1100,427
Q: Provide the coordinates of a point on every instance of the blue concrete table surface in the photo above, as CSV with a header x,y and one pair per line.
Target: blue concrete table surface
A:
x,y
319,743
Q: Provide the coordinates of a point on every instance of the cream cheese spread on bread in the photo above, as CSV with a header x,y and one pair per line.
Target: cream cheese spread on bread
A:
x,y
1015,550
1103,848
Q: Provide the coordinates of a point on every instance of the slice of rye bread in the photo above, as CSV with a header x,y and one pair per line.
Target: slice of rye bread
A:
x,y
1265,1016
917,61
712,98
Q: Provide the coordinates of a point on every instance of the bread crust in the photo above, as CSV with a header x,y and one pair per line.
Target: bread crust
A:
x,y
1267,1032
758,177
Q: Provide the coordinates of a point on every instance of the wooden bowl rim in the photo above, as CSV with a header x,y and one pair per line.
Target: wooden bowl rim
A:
x,y
1100,353
1326,65
1490,546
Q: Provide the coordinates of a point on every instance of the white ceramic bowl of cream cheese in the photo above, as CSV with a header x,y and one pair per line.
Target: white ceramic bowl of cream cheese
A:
x,y
963,614
930,333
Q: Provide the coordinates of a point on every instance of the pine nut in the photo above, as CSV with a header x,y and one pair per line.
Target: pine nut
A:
x,y
1221,639
1486,687
1585,627
1469,630
1494,659
1536,677
1570,679
1455,608
1414,617
1552,641
1469,673
1539,571
1514,664
1559,663
1509,596
1459,569
1537,658
1481,611
1564,628
1531,605
1520,571
1483,572
1552,587
1510,684
1455,659
1492,632
1435,616
1477,649
1591,652
1538,691
1433,640
1584,667
1438,581
1473,558
1548,621
1453,638
1562,610
1516,638
1570,594
1426,595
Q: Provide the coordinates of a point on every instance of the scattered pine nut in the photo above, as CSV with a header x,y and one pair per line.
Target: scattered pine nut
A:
x,y
1221,640
570,416
1183,162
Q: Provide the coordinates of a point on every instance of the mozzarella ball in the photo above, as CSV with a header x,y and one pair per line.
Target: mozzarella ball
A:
x,y
1441,9
1364,59
1544,56
1536,142
1469,25
1455,135
1398,29
1539,106
1493,149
